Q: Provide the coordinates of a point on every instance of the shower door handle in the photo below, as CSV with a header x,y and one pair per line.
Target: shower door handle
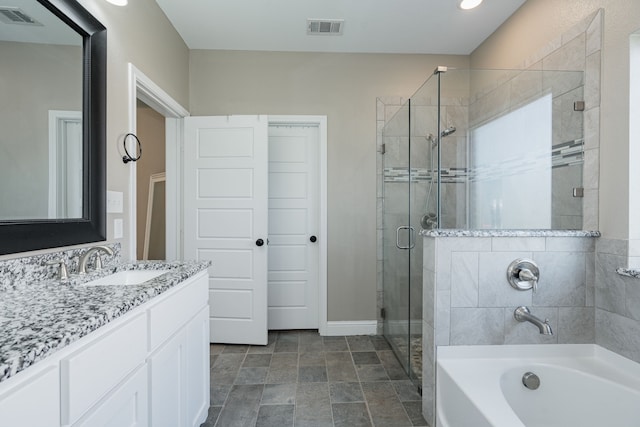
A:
x,y
412,242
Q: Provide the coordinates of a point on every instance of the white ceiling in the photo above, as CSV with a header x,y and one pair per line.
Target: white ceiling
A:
x,y
371,26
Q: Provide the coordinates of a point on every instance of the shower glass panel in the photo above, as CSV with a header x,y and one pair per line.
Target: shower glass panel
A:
x,y
474,149
515,160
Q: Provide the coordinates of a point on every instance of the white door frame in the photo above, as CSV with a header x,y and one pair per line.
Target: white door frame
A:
x,y
321,123
143,88
58,120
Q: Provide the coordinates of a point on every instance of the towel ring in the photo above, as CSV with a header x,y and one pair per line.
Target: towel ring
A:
x,y
127,157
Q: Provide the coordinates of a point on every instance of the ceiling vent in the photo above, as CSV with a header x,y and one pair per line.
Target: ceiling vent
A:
x,y
14,15
329,27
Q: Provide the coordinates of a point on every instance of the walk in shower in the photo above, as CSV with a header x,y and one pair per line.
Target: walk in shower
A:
x,y
474,149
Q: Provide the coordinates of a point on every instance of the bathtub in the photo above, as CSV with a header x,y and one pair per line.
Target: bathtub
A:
x,y
580,385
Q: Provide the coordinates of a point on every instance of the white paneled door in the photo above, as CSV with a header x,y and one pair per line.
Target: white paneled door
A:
x,y
293,226
226,220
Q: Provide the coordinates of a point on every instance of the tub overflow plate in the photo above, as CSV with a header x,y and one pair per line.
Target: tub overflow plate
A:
x,y
531,381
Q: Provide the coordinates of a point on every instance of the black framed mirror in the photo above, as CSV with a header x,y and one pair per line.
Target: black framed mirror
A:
x,y
38,213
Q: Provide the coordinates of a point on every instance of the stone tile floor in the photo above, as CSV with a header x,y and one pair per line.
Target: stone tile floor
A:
x,y
304,380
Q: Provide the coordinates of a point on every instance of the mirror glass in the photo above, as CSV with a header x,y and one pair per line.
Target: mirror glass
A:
x,y
41,143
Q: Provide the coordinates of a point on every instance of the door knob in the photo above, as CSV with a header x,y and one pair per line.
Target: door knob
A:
x,y
259,242
313,239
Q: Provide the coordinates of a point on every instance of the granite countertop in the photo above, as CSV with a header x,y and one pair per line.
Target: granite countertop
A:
x,y
38,319
629,272
444,232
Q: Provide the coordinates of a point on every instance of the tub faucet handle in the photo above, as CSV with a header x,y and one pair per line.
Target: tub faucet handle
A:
x,y
526,275
523,274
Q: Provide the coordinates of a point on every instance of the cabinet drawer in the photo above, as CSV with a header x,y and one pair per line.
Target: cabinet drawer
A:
x,y
34,401
169,315
93,371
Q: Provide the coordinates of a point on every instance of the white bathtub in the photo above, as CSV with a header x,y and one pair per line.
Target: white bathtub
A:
x,y
580,385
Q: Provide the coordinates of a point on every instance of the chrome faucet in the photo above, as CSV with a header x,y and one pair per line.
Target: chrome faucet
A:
x,y
522,314
85,257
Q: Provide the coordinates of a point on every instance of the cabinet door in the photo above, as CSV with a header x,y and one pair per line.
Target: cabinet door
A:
x,y
34,401
168,383
98,367
197,369
127,406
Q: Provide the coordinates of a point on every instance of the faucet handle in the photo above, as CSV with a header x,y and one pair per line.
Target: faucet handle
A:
x,y
98,263
63,271
526,275
523,274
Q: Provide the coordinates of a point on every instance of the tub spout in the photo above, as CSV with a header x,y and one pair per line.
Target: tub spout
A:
x,y
522,314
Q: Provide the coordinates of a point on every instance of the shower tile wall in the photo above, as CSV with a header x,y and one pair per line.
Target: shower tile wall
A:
x,y
462,276
617,299
468,300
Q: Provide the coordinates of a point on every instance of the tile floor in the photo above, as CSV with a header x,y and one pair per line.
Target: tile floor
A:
x,y
304,380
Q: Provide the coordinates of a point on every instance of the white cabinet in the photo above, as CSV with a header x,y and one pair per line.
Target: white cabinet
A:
x,y
125,406
32,400
168,383
179,368
197,335
149,367
91,372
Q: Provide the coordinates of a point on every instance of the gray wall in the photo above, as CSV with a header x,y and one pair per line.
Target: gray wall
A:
x,y
139,33
344,87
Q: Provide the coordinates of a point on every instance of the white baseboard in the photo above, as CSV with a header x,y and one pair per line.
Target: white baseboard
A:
x,y
354,327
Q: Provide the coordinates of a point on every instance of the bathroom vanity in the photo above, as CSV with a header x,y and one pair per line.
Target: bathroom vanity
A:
x,y
73,354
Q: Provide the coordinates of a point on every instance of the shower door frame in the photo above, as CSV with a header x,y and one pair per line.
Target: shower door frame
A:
x,y
411,282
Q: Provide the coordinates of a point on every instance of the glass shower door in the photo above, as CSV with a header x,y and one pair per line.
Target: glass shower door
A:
x,y
409,165
397,234
424,114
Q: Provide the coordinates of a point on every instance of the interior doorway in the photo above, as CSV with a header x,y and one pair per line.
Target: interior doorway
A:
x,y
294,222
254,204
152,103
150,191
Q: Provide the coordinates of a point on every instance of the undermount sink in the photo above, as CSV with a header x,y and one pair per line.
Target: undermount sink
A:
x,y
127,277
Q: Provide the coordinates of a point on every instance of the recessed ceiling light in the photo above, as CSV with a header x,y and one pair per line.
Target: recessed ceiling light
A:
x,y
469,4
118,2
